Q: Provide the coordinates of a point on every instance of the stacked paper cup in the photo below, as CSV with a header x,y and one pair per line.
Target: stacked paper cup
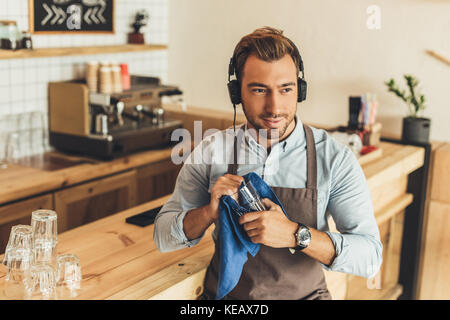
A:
x,y
116,78
106,83
106,77
92,76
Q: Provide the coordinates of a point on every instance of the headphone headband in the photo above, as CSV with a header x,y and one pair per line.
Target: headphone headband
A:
x,y
234,87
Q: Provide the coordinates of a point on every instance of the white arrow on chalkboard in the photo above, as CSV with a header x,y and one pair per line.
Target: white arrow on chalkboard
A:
x,y
59,15
100,12
86,16
93,15
56,17
63,15
49,14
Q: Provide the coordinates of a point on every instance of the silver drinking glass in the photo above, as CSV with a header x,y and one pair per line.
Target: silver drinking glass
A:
x,y
45,233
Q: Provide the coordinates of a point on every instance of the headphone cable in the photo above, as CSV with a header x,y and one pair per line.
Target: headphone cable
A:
x,y
234,120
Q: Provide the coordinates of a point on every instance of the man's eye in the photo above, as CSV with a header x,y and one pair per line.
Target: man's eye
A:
x,y
286,90
259,90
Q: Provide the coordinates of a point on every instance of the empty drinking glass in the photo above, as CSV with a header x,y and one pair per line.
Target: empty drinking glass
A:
x,y
68,275
41,282
18,258
45,233
248,197
19,252
9,148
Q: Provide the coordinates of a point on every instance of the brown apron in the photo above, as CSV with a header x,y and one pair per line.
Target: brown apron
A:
x,y
276,273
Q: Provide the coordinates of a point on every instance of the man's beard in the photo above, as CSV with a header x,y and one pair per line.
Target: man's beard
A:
x,y
270,134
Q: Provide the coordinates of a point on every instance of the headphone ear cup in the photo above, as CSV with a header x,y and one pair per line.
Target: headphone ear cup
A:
x,y
234,90
301,90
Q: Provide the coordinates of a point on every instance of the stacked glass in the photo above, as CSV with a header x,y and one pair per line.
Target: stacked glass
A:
x,y
34,269
45,234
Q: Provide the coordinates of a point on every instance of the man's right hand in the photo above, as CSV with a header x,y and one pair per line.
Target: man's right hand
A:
x,y
198,220
227,184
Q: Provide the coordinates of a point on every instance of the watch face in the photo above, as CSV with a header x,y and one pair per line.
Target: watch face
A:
x,y
304,237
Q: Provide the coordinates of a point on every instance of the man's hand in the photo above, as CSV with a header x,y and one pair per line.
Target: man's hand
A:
x,y
271,228
227,184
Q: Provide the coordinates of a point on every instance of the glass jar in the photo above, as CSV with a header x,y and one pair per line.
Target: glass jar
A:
x,y
10,36
27,43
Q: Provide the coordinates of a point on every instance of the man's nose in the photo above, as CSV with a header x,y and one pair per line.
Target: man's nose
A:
x,y
273,103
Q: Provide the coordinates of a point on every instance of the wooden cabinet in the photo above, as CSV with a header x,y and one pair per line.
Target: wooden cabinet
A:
x,y
94,200
156,180
20,213
90,201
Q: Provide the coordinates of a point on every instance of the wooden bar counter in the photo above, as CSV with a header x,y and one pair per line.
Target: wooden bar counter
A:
x,y
120,260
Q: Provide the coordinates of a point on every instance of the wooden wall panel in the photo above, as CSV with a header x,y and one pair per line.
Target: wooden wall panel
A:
x,y
435,278
440,187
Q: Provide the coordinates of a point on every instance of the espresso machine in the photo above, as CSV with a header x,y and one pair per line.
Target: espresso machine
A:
x,y
107,126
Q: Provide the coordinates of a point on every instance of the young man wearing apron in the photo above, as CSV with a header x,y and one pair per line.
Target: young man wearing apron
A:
x,y
311,174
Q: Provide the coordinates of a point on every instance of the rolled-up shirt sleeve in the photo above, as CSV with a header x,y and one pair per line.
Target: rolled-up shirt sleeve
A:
x,y
357,244
191,192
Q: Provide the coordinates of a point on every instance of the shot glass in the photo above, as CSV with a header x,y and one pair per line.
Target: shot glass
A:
x,y
44,224
68,275
41,282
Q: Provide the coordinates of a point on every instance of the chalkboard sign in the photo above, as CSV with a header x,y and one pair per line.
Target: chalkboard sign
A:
x,y
71,16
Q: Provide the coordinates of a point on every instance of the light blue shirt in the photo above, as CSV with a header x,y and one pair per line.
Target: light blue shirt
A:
x,y
343,192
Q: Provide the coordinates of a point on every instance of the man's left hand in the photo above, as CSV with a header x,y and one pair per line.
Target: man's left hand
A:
x,y
271,227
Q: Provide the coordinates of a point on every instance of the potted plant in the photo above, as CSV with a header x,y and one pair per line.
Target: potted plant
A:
x,y
140,20
415,128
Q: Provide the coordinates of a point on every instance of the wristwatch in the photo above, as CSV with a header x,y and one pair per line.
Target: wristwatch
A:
x,y
302,238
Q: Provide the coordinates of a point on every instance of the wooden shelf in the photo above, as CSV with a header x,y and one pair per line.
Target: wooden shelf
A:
x,y
75,51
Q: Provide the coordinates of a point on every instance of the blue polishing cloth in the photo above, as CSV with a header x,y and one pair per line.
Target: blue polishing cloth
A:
x,y
234,241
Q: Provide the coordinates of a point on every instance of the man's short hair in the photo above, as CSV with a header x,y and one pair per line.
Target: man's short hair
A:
x,y
268,44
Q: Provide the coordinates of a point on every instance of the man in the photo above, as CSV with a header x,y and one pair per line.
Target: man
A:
x,y
311,174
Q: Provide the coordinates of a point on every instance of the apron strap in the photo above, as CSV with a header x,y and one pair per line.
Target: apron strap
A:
x,y
311,182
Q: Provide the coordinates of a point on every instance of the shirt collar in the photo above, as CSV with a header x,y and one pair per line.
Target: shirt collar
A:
x,y
296,137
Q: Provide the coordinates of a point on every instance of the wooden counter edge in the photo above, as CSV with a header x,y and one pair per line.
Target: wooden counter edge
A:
x,y
41,182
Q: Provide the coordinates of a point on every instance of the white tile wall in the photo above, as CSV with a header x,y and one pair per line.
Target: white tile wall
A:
x,y
23,82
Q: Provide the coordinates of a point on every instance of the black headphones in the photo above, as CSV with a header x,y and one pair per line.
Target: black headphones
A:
x,y
234,87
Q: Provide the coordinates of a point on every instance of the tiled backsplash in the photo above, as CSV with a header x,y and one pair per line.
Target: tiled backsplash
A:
x,y
23,82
